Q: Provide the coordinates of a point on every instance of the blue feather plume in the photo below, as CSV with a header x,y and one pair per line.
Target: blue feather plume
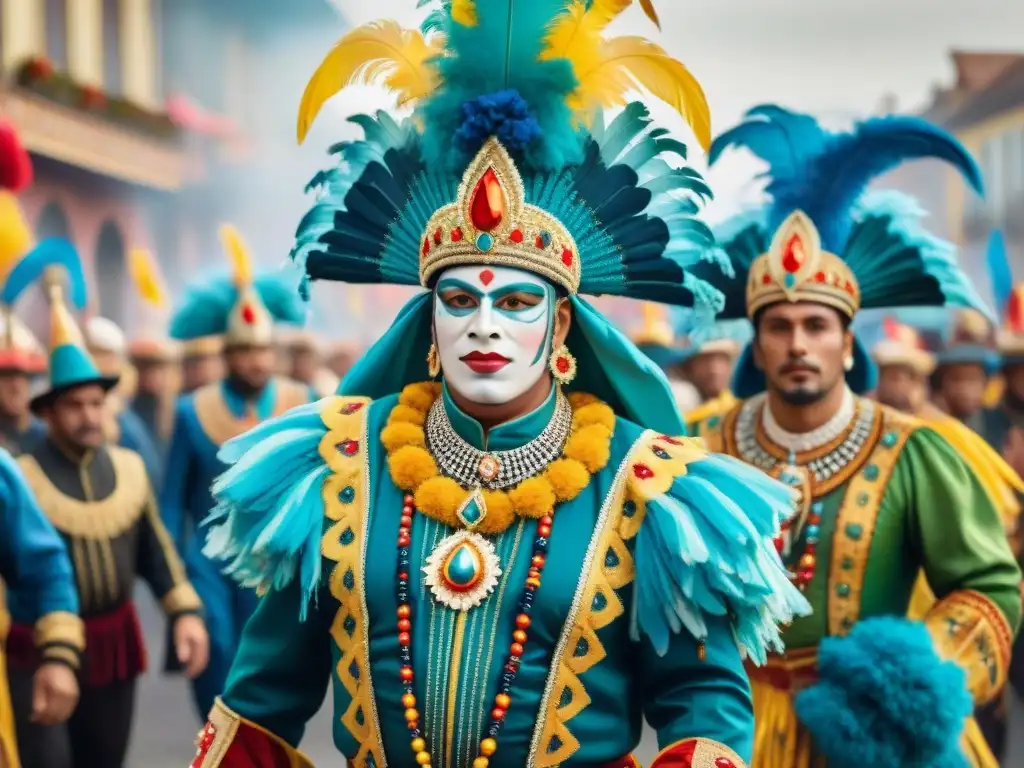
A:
x,y
885,697
823,173
208,304
999,274
50,252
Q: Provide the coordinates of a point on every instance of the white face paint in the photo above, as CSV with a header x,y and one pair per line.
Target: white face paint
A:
x,y
493,328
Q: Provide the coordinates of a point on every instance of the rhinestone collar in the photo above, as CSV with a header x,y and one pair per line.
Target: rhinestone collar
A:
x,y
808,441
471,467
823,468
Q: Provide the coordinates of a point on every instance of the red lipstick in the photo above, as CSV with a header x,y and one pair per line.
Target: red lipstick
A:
x,y
485,362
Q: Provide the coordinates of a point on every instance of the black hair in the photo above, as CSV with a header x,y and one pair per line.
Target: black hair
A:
x,y
844,319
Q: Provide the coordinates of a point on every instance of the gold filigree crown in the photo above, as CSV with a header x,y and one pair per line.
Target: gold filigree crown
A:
x,y
491,223
796,268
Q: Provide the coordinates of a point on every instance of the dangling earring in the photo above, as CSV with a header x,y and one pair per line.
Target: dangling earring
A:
x,y
433,361
562,365
848,364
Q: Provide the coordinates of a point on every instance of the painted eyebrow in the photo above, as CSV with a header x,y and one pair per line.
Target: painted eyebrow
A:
x,y
449,283
531,289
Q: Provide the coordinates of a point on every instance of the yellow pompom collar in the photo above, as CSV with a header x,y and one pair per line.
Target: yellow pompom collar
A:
x,y
414,470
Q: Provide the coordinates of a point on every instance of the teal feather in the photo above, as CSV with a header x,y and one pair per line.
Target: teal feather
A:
x,y
208,304
706,548
265,531
999,273
50,252
502,52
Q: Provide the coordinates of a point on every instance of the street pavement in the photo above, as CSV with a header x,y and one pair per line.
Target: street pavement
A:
x,y
166,725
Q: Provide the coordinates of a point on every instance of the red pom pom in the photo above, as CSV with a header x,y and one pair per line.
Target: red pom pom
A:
x,y
15,163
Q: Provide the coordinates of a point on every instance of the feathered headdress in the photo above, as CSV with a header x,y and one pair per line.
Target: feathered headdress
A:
x,y
242,307
507,160
821,239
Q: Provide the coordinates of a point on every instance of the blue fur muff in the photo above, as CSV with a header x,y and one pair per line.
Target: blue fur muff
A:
x,y
885,698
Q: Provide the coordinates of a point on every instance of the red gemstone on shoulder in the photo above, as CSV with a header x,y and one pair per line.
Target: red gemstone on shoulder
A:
x,y
351,408
724,762
350,447
642,471
487,202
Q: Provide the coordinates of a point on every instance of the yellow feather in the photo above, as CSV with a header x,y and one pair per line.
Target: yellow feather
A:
x,y
15,236
464,12
146,277
576,34
380,51
237,251
623,64
648,8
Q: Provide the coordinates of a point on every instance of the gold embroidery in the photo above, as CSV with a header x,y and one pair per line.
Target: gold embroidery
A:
x,y
856,518
219,424
343,448
181,599
651,466
60,627
971,630
109,568
455,654
704,753
103,519
78,554
225,724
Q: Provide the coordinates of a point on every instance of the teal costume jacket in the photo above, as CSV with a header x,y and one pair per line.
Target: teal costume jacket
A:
x,y
601,654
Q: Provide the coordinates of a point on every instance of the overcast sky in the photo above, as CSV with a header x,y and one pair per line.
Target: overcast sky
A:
x,y
836,58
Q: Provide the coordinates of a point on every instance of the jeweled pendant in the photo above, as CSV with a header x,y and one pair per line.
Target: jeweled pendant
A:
x,y
462,570
473,510
489,468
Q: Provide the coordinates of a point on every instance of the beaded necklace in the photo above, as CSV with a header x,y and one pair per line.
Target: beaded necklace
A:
x,y
465,562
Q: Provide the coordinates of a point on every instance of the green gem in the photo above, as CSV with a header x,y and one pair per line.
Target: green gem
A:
x,y
713,421
843,590
889,439
462,567
854,531
846,564
863,498
473,510
484,242
871,472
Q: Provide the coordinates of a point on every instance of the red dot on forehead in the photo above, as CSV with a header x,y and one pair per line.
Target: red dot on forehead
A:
x,y
486,276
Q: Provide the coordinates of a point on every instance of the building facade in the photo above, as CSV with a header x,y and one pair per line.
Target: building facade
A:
x,y
143,117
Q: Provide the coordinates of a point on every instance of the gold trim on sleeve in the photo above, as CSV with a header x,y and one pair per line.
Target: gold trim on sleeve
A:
x,y
856,519
344,449
182,598
221,729
60,627
60,653
969,628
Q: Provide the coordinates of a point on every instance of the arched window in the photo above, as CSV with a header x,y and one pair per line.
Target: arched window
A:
x,y
53,222
111,269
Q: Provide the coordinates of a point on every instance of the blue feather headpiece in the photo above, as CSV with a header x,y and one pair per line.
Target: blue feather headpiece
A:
x,y
820,238
507,159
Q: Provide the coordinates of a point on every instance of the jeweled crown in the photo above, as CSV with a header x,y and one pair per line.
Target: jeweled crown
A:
x,y
491,223
796,268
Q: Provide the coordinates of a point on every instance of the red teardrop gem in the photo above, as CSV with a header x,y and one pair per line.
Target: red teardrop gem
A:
x,y
642,471
248,314
456,235
437,236
567,257
793,254
426,246
487,203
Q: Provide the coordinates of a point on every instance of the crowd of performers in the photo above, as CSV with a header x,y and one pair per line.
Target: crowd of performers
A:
x,y
513,532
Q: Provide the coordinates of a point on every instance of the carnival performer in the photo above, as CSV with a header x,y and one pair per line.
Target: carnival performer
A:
x,y
99,499
883,496
202,360
35,564
242,309
656,339
151,353
711,357
22,357
965,365
490,540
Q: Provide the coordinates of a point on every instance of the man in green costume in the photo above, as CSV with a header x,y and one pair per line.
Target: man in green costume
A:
x,y
490,542
882,495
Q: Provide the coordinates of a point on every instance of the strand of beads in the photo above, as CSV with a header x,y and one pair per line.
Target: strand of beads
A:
x,y
807,564
503,699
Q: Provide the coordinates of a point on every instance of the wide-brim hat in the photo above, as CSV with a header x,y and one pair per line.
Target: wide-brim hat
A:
x,y
71,367
890,352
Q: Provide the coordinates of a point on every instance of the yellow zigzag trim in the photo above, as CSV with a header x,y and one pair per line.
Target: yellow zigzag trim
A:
x,y
344,496
651,467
